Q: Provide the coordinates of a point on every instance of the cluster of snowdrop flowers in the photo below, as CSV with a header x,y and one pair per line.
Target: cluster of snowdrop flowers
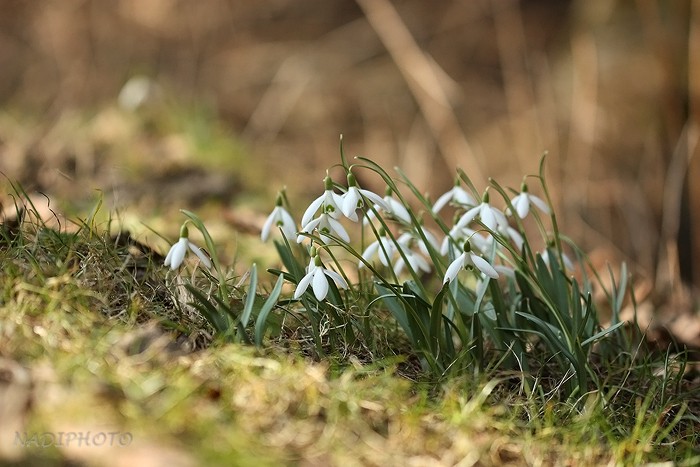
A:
x,y
452,286
401,243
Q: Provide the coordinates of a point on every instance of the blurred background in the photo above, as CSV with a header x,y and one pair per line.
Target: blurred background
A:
x,y
159,101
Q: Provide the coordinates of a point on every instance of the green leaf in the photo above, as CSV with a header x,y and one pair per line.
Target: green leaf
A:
x,y
250,298
284,250
436,318
553,337
207,309
265,310
601,334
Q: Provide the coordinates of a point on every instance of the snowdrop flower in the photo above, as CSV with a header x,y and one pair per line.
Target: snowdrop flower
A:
x,y
391,206
468,259
522,202
325,224
415,261
415,235
176,254
353,199
457,195
279,218
488,215
382,247
329,201
317,276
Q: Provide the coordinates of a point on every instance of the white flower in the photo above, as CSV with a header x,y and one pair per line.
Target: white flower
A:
x,y
415,235
415,261
383,247
176,254
522,202
393,207
353,199
325,224
488,215
456,195
316,276
329,201
469,259
280,218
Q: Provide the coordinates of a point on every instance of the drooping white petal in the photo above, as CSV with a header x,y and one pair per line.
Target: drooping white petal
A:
x,y
418,263
319,284
487,217
337,228
337,278
442,201
374,198
398,210
501,220
304,283
541,205
271,219
460,196
454,268
482,265
351,201
382,247
176,254
311,210
370,251
515,236
522,205
468,216
399,265
404,239
445,245
308,228
289,228
169,256
432,240
200,254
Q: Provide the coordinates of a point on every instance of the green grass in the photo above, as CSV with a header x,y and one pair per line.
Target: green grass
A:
x,y
96,324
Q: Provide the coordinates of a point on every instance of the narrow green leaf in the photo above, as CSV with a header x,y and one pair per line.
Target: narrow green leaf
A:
x,y
261,321
209,311
602,334
250,298
396,308
436,321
